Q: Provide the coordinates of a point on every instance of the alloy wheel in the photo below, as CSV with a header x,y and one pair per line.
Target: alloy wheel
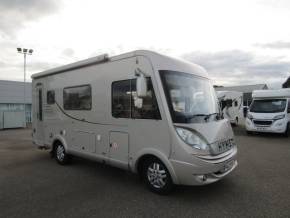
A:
x,y
156,175
60,153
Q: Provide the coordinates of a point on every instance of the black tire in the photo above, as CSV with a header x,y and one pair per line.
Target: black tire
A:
x,y
157,177
60,154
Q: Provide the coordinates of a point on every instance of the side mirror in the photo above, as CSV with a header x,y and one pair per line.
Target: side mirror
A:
x,y
141,84
138,102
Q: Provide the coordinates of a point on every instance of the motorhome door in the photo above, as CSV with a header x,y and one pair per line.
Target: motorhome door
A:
x,y
38,107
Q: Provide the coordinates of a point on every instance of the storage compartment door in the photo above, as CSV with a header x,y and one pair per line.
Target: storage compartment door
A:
x,y
84,141
119,148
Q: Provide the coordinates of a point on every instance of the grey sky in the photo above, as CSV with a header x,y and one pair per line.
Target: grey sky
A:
x,y
15,13
275,45
238,42
241,67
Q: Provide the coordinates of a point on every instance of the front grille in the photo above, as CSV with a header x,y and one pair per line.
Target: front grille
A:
x,y
263,122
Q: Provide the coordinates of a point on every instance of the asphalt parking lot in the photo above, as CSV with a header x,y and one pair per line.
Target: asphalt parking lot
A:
x,y
34,185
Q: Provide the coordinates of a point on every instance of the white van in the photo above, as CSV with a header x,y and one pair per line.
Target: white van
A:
x,y
269,111
231,104
140,111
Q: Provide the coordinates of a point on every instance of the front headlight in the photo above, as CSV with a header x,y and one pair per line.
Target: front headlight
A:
x,y
278,117
192,139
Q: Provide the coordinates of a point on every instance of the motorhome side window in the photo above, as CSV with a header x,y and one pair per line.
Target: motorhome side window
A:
x,y
121,99
77,98
50,97
126,104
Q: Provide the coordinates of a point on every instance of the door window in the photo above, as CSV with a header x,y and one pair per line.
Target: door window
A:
x,y
50,97
126,104
121,99
149,109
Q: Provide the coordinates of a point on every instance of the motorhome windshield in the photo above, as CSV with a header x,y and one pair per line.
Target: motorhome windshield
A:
x,y
268,106
191,99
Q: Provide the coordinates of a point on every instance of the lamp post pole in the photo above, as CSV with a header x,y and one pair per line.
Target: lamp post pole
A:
x,y
24,98
24,51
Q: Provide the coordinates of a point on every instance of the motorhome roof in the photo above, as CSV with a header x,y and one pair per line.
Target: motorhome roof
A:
x,y
279,93
159,60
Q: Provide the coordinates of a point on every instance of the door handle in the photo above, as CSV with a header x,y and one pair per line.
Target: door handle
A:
x,y
110,145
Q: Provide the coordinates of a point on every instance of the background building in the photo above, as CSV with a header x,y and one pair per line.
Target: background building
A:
x,y
12,103
246,90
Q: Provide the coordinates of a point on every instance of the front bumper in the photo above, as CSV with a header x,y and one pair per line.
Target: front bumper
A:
x,y
207,170
277,126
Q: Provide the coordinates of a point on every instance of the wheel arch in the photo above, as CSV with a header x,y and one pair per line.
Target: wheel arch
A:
x,y
57,139
152,153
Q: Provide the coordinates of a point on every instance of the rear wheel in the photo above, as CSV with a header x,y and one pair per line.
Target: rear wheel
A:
x,y
60,155
157,177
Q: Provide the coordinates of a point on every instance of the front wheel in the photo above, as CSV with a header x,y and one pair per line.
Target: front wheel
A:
x,y
157,177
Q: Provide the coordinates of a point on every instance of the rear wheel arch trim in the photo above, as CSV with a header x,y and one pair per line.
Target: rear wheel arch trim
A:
x,y
61,140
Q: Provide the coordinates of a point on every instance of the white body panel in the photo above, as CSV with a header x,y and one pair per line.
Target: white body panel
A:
x,y
262,94
274,126
231,104
121,142
276,122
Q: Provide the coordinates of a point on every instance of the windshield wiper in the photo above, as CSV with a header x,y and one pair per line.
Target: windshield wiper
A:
x,y
209,115
206,116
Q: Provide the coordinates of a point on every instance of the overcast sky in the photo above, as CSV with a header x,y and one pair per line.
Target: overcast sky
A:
x,y
238,42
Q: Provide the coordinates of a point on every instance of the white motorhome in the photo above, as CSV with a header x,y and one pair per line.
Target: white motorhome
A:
x,y
140,111
231,104
269,111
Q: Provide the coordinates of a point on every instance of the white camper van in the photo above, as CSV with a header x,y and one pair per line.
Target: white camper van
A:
x,y
140,111
231,104
269,111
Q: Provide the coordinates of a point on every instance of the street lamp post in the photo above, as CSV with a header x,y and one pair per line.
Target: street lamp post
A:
x,y
25,52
